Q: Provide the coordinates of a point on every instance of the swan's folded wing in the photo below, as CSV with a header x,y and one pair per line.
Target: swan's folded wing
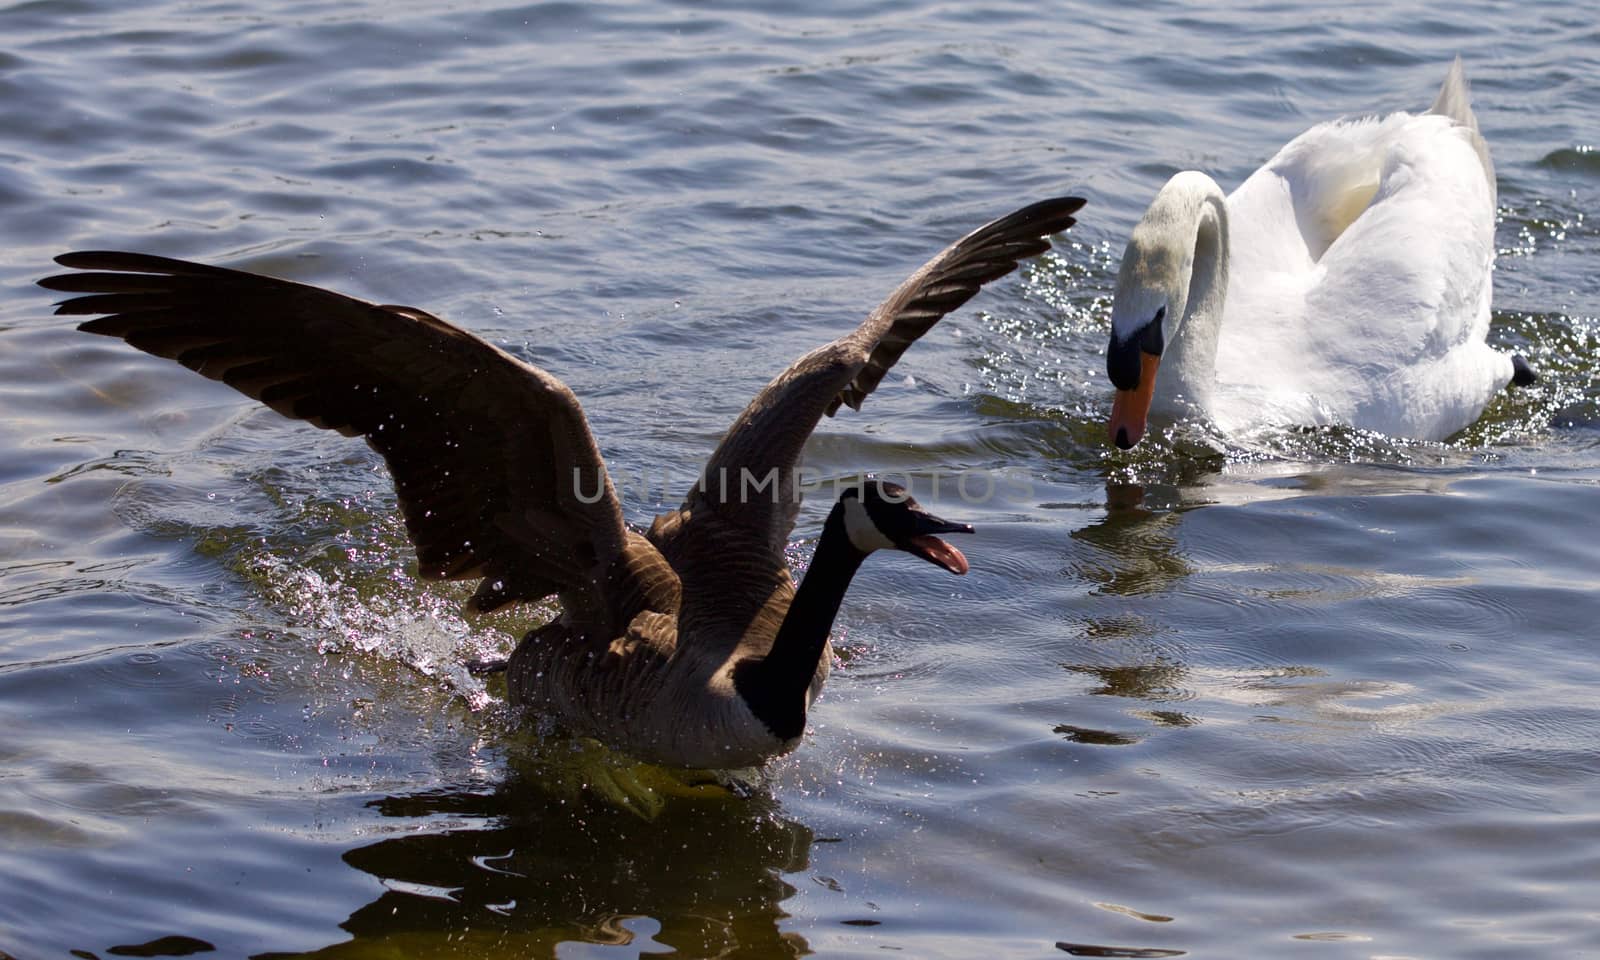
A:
x,y
497,474
749,480
1412,273
1405,292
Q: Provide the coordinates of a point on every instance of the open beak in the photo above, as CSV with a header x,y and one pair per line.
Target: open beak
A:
x,y
1131,408
930,548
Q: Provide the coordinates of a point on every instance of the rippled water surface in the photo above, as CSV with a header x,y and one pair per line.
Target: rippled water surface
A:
x,y
1330,696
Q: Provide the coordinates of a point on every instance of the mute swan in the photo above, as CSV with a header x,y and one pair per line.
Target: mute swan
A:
x,y
1347,281
687,645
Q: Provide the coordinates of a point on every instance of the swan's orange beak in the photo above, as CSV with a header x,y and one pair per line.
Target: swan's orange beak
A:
x,y
1130,408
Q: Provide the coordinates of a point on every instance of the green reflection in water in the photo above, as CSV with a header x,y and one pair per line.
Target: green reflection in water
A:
x,y
526,867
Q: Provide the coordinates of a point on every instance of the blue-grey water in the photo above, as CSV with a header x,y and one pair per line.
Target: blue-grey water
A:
x,y
1337,696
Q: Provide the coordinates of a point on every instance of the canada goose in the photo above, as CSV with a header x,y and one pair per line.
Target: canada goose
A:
x,y
688,645
1347,281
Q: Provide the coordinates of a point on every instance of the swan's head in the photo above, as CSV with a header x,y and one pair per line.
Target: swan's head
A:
x,y
1144,317
1132,362
880,515
1175,260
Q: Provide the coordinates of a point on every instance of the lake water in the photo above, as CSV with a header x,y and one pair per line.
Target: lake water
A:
x,y
1333,696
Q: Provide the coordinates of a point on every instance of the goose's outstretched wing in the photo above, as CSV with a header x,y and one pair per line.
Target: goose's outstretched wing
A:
x,y
749,479
497,473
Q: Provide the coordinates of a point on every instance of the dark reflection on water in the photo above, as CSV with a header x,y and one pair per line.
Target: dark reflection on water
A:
x,y
1139,681
1103,738
1134,548
173,946
524,868
1090,950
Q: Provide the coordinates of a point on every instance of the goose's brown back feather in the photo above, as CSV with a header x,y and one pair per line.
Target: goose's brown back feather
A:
x,y
497,473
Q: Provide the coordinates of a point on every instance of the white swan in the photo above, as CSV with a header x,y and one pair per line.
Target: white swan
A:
x,y
1347,281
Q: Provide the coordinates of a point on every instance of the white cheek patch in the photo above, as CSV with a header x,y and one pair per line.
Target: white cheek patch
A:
x,y
864,534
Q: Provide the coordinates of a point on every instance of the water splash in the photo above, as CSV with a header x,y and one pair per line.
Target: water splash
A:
x,y
399,621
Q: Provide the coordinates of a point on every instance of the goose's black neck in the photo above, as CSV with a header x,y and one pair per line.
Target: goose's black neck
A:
x,y
775,686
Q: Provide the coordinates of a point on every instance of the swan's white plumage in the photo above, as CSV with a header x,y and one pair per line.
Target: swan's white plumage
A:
x,y
1358,281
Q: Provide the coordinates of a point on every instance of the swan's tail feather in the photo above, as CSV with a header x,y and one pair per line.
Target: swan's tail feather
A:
x,y
1454,101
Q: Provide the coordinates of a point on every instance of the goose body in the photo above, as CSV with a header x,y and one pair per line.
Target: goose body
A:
x,y
1347,281
686,644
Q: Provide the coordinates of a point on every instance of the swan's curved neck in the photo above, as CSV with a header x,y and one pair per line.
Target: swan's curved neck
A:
x,y
776,687
1178,258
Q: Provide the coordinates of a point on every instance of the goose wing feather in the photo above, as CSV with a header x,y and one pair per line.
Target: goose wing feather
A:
x,y
497,473
765,441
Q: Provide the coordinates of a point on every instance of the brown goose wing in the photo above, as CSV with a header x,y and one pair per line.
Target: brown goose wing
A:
x,y
749,479
497,473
